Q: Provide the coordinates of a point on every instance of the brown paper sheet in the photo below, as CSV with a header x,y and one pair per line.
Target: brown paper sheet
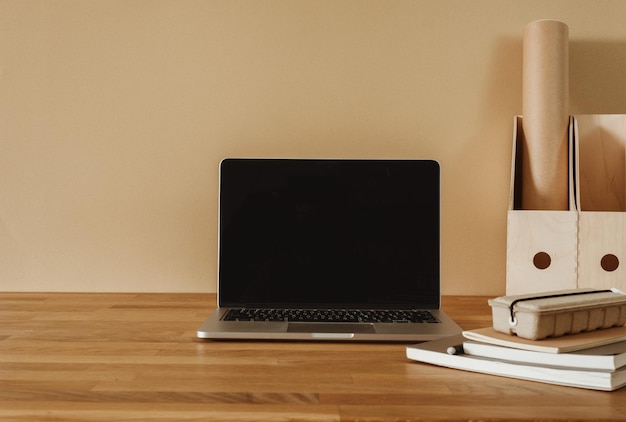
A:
x,y
545,109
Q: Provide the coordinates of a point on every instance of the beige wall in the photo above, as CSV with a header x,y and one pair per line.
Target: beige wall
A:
x,y
115,114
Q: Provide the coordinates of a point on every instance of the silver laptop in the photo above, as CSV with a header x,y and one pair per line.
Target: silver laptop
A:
x,y
329,249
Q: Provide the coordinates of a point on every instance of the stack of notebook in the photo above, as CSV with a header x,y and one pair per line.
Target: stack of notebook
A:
x,y
594,360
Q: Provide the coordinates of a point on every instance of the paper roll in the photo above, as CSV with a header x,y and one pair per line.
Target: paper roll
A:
x,y
545,116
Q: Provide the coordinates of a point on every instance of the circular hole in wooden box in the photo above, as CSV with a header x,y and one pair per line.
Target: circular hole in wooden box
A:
x,y
609,262
542,260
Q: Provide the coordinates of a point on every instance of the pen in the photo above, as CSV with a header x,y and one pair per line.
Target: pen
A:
x,y
455,350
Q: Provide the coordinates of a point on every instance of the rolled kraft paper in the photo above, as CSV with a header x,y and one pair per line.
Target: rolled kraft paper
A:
x,y
545,108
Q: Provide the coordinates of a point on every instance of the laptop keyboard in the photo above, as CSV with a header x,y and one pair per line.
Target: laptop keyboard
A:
x,y
331,315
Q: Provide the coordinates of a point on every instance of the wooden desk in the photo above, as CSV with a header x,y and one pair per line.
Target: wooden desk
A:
x,y
112,357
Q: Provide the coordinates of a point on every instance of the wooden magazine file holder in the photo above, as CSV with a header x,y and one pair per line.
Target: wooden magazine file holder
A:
x,y
585,245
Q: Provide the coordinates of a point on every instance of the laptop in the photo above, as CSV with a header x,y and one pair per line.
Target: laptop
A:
x,y
329,249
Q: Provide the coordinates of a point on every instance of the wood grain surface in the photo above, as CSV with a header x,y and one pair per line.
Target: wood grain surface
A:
x,y
135,357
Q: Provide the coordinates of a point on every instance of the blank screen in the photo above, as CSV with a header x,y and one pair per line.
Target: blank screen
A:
x,y
331,233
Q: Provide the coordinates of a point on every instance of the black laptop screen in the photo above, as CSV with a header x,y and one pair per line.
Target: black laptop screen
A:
x,y
330,233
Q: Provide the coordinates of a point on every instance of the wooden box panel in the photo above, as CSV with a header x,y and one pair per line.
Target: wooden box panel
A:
x,y
541,251
541,245
600,142
602,250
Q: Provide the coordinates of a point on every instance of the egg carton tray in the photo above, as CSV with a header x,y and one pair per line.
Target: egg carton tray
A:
x,y
558,313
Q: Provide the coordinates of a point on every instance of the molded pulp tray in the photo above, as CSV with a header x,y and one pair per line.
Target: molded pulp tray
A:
x,y
554,314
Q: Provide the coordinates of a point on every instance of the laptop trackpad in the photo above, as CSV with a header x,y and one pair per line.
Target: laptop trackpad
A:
x,y
335,327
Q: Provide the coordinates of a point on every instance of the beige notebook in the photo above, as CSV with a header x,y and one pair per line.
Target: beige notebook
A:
x,y
564,344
